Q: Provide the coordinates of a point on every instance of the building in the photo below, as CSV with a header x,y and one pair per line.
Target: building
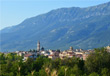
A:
x,y
67,54
71,48
108,48
53,54
20,53
26,56
79,56
85,55
38,46
42,49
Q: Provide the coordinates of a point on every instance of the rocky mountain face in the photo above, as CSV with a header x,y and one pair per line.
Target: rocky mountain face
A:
x,y
85,28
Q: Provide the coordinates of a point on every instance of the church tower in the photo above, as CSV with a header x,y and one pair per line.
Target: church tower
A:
x,y
38,46
71,48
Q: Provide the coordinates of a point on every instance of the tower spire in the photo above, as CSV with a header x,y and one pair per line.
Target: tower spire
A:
x,y
38,46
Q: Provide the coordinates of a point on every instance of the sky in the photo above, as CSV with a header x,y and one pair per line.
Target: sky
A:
x,y
13,12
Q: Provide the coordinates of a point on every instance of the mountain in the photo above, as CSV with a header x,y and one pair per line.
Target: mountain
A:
x,y
85,28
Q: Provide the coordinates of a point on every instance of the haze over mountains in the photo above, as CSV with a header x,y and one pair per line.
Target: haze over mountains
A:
x,y
85,28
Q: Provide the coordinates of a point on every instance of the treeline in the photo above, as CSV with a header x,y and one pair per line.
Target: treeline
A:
x,y
97,64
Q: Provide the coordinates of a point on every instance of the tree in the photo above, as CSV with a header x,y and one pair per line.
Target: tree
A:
x,y
61,71
54,72
94,74
42,72
105,72
34,50
76,71
98,60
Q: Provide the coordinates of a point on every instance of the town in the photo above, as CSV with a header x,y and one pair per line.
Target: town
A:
x,y
41,62
53,54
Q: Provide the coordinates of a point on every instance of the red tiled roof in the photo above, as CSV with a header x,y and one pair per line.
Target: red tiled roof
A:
x,y
27,55
51,55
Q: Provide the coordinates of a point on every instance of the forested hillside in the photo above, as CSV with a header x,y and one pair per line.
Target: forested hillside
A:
x,y
85,28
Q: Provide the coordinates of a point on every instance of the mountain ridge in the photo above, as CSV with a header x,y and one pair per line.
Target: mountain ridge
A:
x,y
108,3
59,27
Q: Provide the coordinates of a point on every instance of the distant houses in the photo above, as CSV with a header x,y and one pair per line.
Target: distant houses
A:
x,y
108,48
26,56
53,54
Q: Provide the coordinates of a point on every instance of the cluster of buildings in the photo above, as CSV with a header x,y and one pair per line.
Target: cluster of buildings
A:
x,y
108,48
53,54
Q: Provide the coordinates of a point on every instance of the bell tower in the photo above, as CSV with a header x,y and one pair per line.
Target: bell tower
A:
x,y
71,48
38,46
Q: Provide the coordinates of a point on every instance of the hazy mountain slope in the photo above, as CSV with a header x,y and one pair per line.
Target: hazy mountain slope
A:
x,y
78,27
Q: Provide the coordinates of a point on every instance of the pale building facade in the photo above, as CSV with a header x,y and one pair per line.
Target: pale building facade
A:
x,y
38,46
